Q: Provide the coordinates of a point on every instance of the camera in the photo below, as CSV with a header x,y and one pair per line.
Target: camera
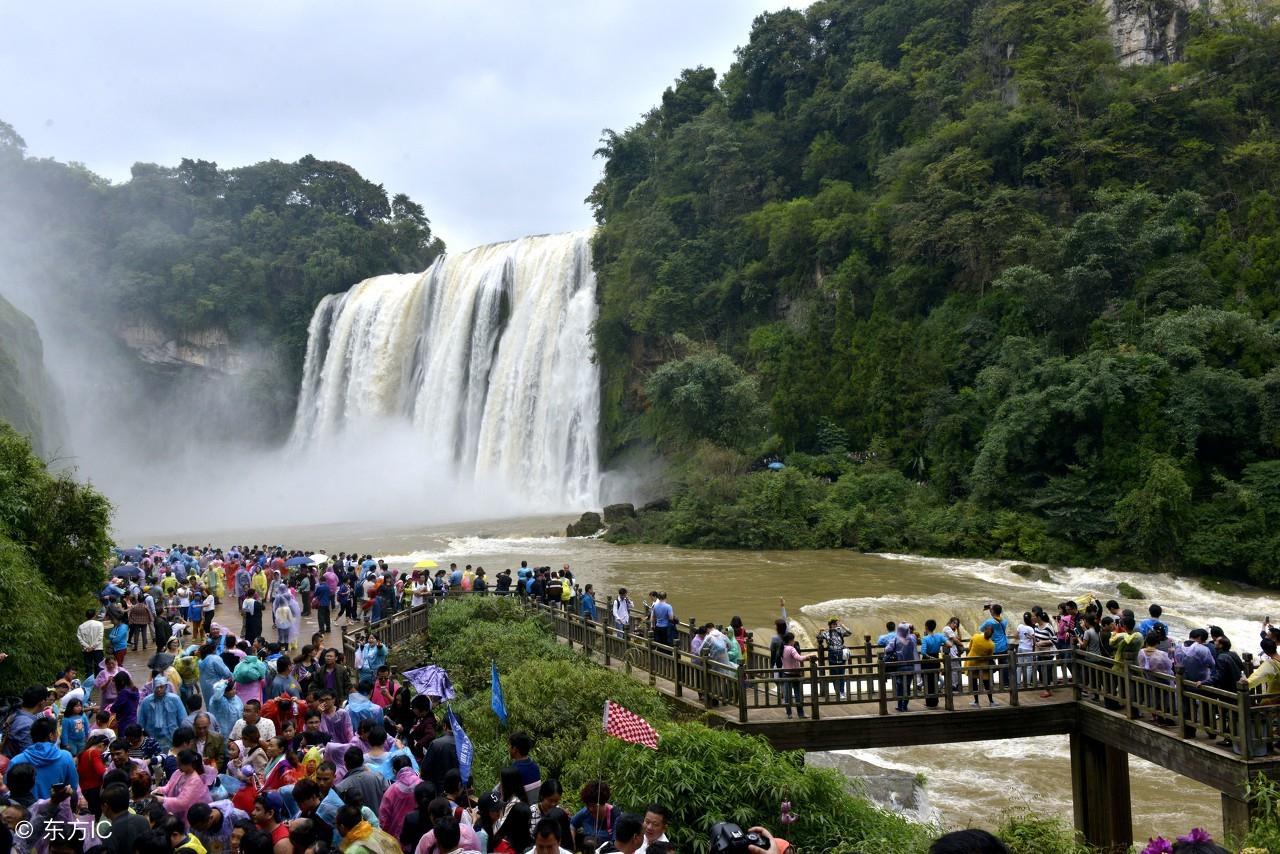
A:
x,y
728,838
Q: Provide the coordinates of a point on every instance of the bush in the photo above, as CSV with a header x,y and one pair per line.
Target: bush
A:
x,y
708,775
1032,835
37,626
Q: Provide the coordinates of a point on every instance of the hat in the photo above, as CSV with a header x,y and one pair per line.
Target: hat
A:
x,y
221,685
160,682
273,802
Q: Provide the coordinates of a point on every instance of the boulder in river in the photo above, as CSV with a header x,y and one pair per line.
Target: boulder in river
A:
x,y
625,532
589,523
614,513
1128,591
1031,573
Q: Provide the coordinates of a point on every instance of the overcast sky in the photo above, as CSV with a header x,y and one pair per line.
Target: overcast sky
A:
x,y
487,113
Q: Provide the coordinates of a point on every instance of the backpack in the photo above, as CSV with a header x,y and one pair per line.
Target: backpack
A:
x,y
566,591
891,651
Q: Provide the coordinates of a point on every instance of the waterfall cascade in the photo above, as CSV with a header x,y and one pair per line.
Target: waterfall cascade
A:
x,y
487,354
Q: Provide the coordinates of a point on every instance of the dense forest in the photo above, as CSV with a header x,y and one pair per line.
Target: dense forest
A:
x,y
982,289
249,251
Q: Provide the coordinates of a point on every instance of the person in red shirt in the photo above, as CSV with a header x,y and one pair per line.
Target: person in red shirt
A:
x,y
267,811
286,707
90,767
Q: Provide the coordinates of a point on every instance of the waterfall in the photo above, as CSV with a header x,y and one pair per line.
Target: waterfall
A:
x,y
487,355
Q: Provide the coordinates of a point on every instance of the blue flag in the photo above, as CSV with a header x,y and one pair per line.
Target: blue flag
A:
x,y
497,702
463,745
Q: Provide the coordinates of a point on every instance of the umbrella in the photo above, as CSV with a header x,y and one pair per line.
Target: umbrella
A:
x,y
776,466
369,564
425,564
127,570
298,561
319,557
132,555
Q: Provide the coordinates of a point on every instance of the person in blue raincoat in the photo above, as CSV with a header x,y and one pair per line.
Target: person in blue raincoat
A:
x,y
360,707
224,705
212,669
371,655
161,713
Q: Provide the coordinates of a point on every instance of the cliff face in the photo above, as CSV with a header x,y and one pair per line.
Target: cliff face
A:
x,y
29,401
207,349
1145,32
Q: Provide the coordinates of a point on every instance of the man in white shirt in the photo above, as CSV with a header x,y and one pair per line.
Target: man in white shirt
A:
x,y
622,612
546,837
655,826
253,715
89,634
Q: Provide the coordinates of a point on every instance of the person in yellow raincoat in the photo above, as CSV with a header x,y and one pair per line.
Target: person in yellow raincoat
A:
x,y
259,583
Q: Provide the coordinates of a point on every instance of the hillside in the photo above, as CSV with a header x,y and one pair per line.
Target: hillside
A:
x,y
983,284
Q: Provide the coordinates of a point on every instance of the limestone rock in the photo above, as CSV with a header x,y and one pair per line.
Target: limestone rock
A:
x,y
660,505
1031,573
589,523
614,513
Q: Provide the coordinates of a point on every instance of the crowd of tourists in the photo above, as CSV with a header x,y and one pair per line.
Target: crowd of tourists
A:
x,y
226,741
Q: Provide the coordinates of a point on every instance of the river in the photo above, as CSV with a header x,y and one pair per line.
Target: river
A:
x,y
968,784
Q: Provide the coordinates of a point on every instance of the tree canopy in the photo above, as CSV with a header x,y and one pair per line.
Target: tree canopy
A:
x,y
960,237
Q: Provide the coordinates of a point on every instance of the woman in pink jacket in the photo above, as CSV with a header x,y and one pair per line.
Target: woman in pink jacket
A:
x,y
188,786
398,800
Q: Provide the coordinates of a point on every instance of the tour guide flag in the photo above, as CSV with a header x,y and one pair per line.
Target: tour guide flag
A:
x,y
463,745
627,725
497,702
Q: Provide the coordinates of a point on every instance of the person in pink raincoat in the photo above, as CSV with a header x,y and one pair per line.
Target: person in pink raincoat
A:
x,y
397,801
190,785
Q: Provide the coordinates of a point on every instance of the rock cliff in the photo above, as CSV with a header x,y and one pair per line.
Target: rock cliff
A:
x,y
29,401
206,349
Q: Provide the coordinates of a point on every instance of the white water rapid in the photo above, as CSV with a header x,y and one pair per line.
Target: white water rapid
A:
x,y
487,355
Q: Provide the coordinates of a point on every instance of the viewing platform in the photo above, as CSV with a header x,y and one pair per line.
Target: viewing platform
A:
x,y
1108,712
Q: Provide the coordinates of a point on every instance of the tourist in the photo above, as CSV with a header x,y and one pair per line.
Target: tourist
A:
x,y
955,649
999,638
656,817
53,765
595,822
587,604
185,788
979,660
1045,642
127,699
833,639
519,746
1198,661
512,835
968,842
547,836
792,664
1026,632
622,612
91,634
932,648
1157,666
1126,643
903,661
123,828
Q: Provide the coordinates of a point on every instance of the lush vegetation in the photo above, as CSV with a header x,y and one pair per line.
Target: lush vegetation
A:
x,y
53,545
194,247
983,289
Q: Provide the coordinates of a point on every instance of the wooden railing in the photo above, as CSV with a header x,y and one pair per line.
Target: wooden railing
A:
x,y
1249,719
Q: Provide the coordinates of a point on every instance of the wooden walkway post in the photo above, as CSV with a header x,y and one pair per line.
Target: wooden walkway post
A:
x,y
948,665
706,682
880,689
813,687
1013,675
1100,794
605,624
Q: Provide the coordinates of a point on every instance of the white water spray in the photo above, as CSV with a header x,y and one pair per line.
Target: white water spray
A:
x,y
487,355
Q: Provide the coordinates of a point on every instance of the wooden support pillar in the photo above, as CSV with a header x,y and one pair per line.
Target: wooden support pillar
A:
x,y
1236,815
1100,794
